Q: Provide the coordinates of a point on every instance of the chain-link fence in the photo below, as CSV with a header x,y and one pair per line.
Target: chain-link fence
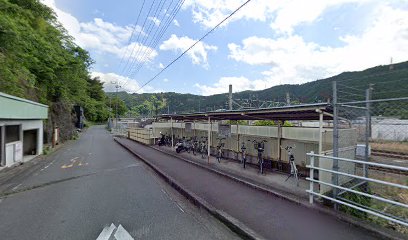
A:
x,y
381,129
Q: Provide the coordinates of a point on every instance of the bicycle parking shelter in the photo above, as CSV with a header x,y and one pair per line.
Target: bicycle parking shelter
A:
x,y
305,112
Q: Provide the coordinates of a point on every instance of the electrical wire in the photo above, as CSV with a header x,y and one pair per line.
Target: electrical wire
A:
x,y
149,30
195,43
138,37
160,35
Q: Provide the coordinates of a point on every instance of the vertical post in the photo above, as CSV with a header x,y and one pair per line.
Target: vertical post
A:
x,y
171,132
230,97
368,131
2,145
335,140
311,183
237,141
320,133
209,139
279,141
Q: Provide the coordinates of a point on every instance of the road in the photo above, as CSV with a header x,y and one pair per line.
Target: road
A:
x,y
268,215
92,183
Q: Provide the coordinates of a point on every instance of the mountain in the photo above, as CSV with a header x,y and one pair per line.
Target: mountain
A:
x,y
388,81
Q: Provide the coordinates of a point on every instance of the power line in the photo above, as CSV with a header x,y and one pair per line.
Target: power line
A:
x,y
144,55
199,40
161,33
149,30
133,31
137,40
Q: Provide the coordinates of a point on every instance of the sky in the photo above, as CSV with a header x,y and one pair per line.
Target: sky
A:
x,y
266,43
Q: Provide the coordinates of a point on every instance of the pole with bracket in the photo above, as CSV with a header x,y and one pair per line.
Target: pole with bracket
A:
x,y
209,139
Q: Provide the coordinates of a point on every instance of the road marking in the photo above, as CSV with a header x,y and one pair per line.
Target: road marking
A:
x,y
181,209
73,162
1,200
399,161
106,232
119,233
15,188
122,234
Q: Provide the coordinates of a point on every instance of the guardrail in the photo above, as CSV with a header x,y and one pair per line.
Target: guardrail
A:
x,y
365,209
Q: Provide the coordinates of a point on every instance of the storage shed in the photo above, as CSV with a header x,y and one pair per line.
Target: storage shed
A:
x,y
21,129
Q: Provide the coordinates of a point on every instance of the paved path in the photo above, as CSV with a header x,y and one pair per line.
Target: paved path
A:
x,y
267,215
92,183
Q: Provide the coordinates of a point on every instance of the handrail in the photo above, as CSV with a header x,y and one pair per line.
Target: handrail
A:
x,y
359,161
365,209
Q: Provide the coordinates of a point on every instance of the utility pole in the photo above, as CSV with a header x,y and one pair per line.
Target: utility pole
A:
x,y
230,97
287,98
117,86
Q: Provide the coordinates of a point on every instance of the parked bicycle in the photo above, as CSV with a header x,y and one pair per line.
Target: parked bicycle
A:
x,y
293,169
260,147
220,145
203,147
243,151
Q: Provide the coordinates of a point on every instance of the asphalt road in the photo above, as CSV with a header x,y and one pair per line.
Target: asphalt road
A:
x,y
92,183
268,215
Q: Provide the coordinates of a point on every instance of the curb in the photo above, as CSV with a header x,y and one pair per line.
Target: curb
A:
x,y
232,223
376,230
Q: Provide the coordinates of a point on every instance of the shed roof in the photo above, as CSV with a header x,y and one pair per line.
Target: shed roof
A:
x,y
12,107
295,112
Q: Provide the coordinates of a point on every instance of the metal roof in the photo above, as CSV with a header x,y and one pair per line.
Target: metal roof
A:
x,y
295,112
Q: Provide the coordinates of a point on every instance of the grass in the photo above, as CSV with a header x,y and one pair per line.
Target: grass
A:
x,y
399,147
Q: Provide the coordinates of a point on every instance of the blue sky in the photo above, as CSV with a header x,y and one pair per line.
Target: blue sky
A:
x,y
265,44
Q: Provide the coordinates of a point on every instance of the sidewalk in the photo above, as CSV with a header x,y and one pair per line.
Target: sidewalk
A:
x,y
273,180
255,211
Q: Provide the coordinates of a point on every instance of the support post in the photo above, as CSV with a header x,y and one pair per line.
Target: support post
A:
x,y
237,141
230,97
209,139
2,145
320,132
311,184
279,146
368,130
335,177
172,134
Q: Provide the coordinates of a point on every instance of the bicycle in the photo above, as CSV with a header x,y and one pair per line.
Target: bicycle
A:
x,y
203,147
293,168
260,147
219,149
243,151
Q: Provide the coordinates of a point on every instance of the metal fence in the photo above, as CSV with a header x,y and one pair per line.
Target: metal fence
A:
x,y
377,184
339,199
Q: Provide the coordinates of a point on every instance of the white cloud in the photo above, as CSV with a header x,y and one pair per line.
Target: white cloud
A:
x,y
101,36
155,20
165,80
176,23
127,84
283,15
161,65
198,53
293,60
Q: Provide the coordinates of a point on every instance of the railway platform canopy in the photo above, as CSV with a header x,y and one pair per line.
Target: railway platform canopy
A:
x,y
294,112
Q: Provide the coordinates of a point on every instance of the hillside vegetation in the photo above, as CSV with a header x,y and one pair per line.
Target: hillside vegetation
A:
x,y
39,61
388,82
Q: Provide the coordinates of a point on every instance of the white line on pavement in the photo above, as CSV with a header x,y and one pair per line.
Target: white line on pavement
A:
x,y
122,234
15,188
106,232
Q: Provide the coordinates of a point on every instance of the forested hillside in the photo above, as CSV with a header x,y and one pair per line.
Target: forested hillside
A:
x,y
388,82
39,61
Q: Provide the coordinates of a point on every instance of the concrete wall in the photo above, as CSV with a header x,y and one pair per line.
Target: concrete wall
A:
x,y
26,125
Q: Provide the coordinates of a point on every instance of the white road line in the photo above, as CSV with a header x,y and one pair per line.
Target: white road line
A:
x,y
181,209
1,200
15,188
106,232
122,234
